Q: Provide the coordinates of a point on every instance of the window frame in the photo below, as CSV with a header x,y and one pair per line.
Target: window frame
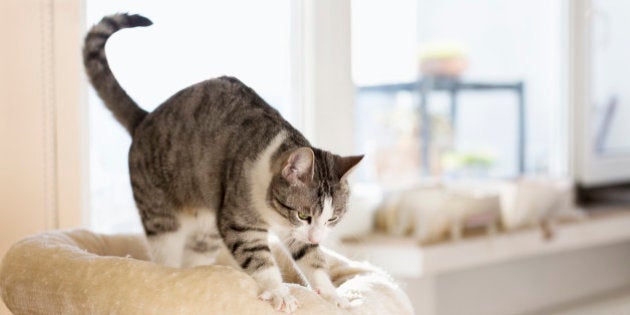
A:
x,y
589,169
321,69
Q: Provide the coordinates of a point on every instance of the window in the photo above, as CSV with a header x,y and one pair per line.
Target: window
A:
x,y
207,39
443,86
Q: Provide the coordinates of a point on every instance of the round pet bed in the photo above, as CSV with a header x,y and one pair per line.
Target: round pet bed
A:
x,y
80,272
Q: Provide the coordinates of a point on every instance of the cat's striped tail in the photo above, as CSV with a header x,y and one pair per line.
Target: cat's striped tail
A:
x,y
126,111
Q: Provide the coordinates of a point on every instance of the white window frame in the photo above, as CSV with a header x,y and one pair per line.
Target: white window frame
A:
x,y
321,73
589,169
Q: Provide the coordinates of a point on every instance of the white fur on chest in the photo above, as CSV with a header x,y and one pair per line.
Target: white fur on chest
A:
x,y
260,176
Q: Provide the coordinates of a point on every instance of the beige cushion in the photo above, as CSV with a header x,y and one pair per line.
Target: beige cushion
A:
x,y
80,272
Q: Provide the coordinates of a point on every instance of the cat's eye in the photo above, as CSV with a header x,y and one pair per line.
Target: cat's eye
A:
x,y
333,219
303,216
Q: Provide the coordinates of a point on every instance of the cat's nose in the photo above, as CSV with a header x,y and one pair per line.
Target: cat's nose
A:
x,y
316,235
313,239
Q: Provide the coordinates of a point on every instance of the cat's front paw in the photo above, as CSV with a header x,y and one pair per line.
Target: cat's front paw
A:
x,y
281,299
334,298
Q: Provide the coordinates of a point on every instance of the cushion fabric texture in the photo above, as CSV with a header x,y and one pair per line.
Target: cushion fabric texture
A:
x,y
80,272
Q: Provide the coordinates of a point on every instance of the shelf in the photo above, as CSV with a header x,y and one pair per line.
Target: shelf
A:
x,y
442,84
423,87
402,257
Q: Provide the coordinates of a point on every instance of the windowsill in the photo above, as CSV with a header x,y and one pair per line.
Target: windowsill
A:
x,y
403,257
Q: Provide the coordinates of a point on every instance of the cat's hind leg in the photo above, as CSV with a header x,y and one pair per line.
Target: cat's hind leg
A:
x,y
161,225
203,241
167,248
201,249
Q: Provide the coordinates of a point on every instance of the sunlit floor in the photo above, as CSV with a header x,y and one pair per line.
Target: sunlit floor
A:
x,y
613,304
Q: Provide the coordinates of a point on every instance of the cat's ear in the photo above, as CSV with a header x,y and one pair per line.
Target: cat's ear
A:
x,y
346,164
299,166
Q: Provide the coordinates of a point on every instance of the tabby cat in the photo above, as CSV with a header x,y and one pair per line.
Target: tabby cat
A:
x,y
216,166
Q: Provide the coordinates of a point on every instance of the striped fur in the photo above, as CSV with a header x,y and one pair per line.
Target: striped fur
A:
x,y
216,166
126,111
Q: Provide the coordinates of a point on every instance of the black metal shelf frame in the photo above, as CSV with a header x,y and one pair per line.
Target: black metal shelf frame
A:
x,y
453,86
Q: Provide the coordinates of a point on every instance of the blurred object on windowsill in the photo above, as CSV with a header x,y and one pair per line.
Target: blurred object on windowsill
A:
x,y
538,202
403,257
396,150
398,163
447,210
602,197
473,164
443,60
359,218
431,212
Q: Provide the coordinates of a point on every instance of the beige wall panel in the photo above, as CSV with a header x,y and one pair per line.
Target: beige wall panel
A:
x,y
42,142
41,121
22,187
71,117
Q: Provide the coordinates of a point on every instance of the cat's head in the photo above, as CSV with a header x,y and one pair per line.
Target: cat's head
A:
x,y
310,190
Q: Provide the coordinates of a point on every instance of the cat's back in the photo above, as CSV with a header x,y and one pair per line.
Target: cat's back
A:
x,y
186,145
222,105
212,117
